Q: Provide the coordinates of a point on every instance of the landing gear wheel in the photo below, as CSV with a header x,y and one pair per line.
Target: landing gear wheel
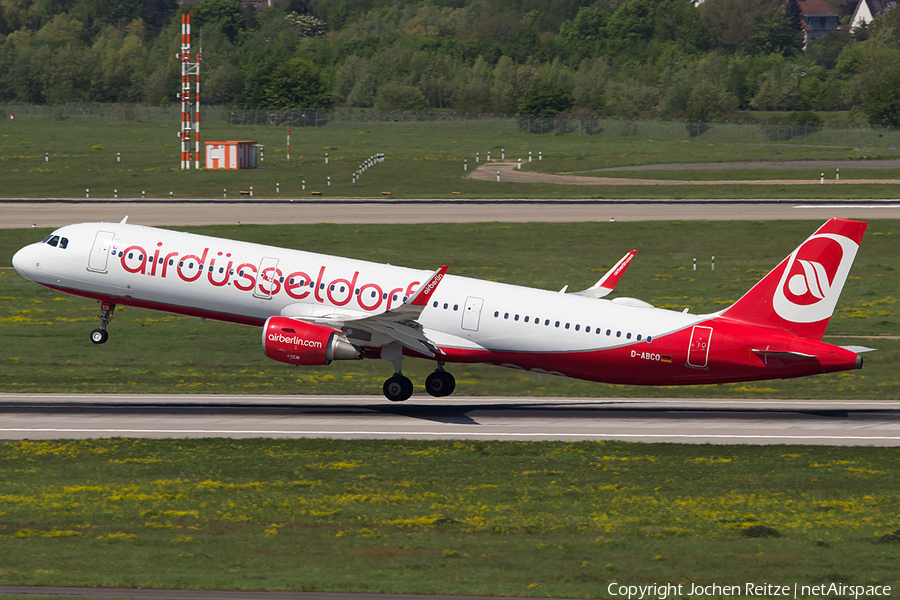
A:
x,y
99,336
440,384
398,388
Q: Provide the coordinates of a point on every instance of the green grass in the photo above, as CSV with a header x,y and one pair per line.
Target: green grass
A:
x,y
44,344
495,518
419,164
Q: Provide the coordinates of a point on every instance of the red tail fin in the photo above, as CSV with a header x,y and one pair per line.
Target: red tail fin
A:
x,y
800,294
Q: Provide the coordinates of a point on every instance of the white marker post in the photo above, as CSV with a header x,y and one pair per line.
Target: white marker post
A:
x,y
520,164
277,188
329,180
142,194
304,185
115,193
465,164
695,264
476,157
529,156
713,263
540,156
823,178
224,192
170,195
502,153
489,156
46,157
251,191
837,177
87,192
118,157
326,158
498,176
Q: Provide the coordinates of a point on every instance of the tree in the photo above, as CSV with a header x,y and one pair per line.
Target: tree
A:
x,y
881,99
545,99
224,13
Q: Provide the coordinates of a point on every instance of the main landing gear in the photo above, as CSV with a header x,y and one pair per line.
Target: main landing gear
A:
x,y
398,387
100,335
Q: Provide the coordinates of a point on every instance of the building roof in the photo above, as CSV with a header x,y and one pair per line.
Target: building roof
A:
x,y
816,8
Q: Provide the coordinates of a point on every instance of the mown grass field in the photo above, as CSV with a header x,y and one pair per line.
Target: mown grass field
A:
x,y
420,164
494,518
44,344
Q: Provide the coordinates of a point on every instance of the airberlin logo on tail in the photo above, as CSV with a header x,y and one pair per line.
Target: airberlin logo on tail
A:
x,y
813,278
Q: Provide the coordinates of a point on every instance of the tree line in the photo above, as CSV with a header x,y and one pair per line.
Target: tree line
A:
x,y
630,58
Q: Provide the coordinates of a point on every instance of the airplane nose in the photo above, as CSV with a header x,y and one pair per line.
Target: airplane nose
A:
x,y
23,262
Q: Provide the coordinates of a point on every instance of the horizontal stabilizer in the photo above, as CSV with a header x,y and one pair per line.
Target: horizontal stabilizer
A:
x,y
859,349
767,355
608,282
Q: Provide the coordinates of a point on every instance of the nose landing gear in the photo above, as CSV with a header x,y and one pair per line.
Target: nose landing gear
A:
x,y
100,335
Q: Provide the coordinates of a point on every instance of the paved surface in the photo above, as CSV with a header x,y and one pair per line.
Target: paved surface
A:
x,y
508,171
717,421
56,214
825,165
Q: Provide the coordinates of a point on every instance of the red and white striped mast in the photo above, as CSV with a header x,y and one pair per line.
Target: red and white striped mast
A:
x,y
190,115
195,70
185,91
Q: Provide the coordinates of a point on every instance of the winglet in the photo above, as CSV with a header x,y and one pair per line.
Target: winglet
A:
x,y
608,282
420,298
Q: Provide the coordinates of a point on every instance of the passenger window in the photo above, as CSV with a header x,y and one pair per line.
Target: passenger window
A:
x,y
608,331
130,254
618,334
55,240
516,318
526,319
456,307
505,315
627,336
577,327
649,339
331,287
496,313
547,322
436,305
446,306
321,286
374,293
63,243
638,337
587,329
567,325
557,323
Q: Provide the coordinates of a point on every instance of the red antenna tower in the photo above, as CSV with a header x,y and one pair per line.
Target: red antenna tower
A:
x,y
190,115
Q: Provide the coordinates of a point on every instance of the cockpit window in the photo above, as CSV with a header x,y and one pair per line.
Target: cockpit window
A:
x,y
63,243
53,241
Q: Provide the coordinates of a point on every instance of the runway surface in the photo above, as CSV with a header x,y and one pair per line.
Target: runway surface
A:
x,y
18,215
716,421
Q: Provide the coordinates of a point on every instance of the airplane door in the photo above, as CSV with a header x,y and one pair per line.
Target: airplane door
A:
x,y
698,350
100,251
267,280
472,313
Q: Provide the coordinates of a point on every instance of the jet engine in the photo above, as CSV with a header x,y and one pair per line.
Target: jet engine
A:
x,y
300,343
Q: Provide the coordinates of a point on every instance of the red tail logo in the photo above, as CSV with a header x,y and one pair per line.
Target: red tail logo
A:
x,y
813,278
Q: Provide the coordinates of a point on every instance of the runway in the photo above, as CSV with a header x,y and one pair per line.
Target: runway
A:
x,y
24,214
708,421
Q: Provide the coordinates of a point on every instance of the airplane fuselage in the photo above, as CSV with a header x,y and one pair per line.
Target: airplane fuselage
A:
x,y
469,320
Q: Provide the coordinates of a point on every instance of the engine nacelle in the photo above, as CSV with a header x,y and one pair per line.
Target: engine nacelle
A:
x,y
299,343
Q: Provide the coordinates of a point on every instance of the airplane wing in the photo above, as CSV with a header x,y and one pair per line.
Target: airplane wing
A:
x,y
608,282
398,324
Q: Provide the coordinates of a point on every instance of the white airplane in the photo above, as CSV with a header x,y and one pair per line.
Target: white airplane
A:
x,y
315,308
